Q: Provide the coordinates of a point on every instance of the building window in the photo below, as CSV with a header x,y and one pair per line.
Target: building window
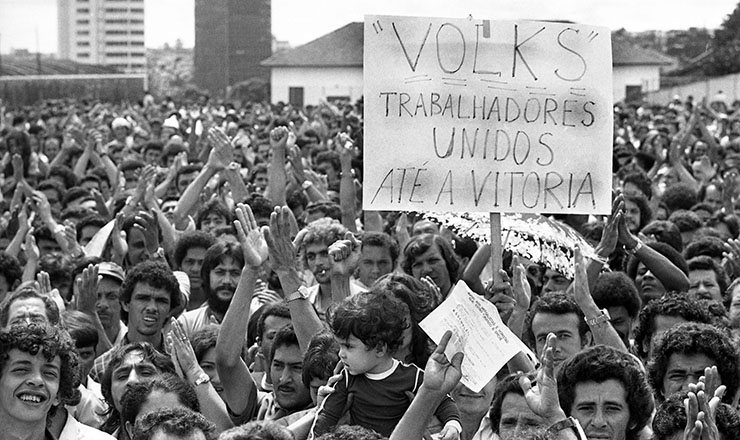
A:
x,y
83,10
83,33
116,54
137,32
116,43
137,43
137,10
83,21
83,44
136,21
83,55
115,10
116,21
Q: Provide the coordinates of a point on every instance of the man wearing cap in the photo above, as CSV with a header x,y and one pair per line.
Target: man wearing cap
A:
x,y
121,131
107,305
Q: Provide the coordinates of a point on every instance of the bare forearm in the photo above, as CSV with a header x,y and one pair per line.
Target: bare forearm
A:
x,y
277,179
234,327
305,320
191,194
347,196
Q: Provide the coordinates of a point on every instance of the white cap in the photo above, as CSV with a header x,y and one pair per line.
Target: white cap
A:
x,y
120,122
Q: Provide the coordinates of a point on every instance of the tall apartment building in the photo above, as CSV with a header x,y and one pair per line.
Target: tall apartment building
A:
x,y
232,37
107,32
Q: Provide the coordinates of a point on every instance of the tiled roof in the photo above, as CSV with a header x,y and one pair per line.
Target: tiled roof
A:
x,y
626,54
343,47
15,66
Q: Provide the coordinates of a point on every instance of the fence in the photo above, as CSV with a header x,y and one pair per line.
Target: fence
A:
x,y
26,90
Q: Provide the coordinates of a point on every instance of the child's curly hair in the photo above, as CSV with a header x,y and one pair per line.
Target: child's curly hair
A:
x,y
377,318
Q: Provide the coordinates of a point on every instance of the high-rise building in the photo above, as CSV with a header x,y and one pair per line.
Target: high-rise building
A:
x,y
232,37
107,32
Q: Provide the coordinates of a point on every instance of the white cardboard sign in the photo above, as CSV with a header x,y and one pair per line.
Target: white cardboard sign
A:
x,y
479,115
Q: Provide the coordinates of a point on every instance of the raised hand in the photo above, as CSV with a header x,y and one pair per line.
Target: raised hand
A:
x,y
441,375
279,137
610,234
253,242
521,289
501,295
281,249
182,352
222,153
319,181
345,255
581,291
72,247
30,249
542,398
87,290
147,224
118,237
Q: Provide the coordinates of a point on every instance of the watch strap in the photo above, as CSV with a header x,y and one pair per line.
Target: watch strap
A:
x,y
599,319
301,293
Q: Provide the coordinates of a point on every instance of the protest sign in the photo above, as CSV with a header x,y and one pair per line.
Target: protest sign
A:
x,y
471,115
477,331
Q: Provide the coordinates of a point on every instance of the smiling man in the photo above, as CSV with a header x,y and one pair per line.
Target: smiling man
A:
x,y
148,295
607,392
38,371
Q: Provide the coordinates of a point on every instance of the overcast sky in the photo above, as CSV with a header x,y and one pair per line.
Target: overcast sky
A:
x,y
300,21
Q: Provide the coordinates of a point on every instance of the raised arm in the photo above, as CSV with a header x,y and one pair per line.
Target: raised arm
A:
x,y
221,155
277,178
211,405
598,323
671,276
347,198
283,259
240,391
344,256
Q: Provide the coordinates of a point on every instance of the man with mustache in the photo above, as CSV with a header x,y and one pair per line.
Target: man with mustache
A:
x,y
219,274
314,248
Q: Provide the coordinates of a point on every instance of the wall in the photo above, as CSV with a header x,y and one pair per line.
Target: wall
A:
x,y
646,76
28,90
729,84
317,82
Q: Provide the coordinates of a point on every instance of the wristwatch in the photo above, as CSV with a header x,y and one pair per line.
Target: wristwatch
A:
x,y
201,379
568,423
159,254
637,247
301,293
601,318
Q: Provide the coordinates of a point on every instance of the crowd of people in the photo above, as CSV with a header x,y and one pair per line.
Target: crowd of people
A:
x,y
203,270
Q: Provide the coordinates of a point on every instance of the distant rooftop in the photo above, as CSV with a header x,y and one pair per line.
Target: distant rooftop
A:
x,y
343,48
26,66
340,48
626,54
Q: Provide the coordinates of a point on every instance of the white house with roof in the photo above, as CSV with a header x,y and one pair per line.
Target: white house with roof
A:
x,y
330,68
